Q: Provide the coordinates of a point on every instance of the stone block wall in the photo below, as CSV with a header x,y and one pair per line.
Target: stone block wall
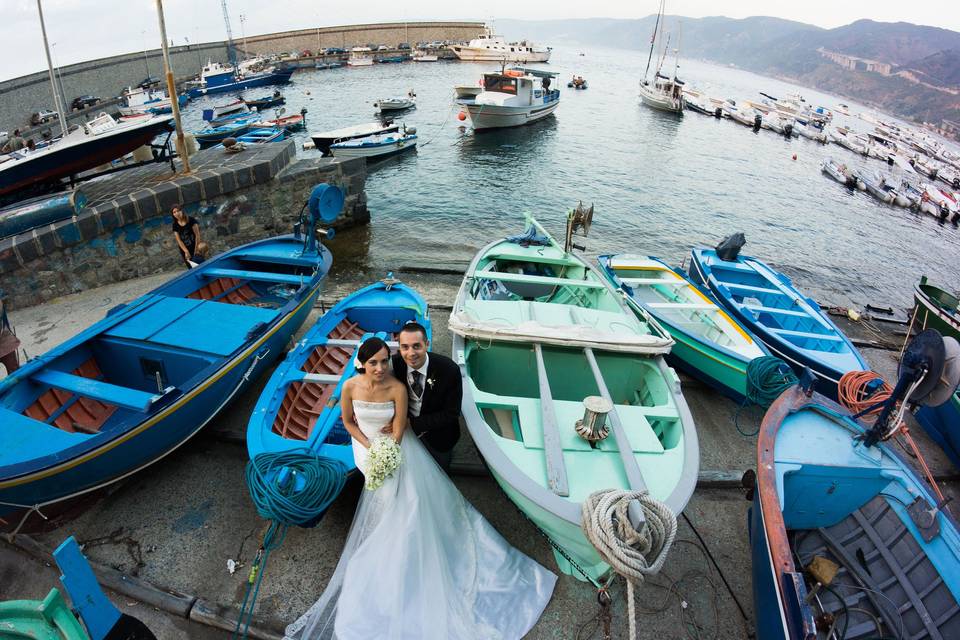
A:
x,y
130,235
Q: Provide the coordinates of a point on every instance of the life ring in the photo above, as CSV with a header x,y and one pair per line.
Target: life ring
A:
x,y
513,73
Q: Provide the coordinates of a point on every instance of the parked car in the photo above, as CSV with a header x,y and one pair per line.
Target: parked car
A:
x,y
43,117
82,102
383,47
403,45
148,82
335,51
306,53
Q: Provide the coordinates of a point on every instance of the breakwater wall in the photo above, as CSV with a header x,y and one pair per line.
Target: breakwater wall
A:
x,y
107,77
125,231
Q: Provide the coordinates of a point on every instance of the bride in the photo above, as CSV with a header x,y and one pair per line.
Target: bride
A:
x,y
419,563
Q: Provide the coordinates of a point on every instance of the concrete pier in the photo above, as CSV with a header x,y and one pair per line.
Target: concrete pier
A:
x,y
175,525
124,232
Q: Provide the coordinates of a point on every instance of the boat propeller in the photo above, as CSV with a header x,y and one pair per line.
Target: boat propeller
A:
x,y
928,375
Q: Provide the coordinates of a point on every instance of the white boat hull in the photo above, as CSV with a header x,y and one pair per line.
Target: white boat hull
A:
x,y
363,62
470,54
661,102
402,144
486,116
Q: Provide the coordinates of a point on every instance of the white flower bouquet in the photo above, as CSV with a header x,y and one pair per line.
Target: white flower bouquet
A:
x,y
383,458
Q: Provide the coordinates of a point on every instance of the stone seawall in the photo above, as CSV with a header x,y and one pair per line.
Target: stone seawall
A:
x,y
125,231
107,77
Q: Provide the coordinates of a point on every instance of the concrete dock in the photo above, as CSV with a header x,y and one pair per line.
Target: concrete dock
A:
x,y
173,527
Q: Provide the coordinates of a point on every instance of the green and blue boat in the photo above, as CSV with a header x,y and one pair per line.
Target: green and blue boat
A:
x,y
537,331
710,345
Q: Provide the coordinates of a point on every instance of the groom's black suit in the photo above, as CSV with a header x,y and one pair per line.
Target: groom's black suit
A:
x,y
438,424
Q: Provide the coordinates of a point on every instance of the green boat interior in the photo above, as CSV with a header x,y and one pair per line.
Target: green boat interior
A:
x,y
946,301
505,381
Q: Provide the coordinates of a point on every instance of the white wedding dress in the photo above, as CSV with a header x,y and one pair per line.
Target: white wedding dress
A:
x,y
420,563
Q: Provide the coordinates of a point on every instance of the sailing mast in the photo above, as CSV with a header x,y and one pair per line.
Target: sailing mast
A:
x,y
57,98
653,39
676,53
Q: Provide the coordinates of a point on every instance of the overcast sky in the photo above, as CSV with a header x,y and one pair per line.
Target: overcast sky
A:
x,y
84,29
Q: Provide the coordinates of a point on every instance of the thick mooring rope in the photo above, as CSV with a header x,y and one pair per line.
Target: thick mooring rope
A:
x,y
631,553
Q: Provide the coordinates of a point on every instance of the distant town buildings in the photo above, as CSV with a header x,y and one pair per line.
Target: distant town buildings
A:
x,y
857,64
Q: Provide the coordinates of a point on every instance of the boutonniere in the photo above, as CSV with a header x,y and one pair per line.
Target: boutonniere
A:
x,y
430,382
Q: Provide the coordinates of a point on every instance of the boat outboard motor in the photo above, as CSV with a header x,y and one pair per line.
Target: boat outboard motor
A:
x,y
718,113
325,203
757,122
929,373
729,247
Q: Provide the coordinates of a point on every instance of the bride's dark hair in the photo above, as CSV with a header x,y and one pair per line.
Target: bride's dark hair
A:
x,y
369,349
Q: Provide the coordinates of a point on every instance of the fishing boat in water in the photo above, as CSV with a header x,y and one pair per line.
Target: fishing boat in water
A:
x,y
387,105
512,98
838,172
139,100
709,344
214,135
791,325
936,308
376,146
841,526
265,102
136,385
539,335
218,78
300,404
295,122
324,139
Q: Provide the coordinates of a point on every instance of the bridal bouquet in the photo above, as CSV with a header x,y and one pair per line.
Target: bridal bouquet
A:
x,y
383,458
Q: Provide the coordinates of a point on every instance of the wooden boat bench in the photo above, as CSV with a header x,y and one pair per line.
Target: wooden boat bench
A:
x,y
525,279
806,334
132,399
260,276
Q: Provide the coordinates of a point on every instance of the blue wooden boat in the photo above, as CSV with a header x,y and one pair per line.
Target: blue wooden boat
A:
x,y
127,391
213,135
791,325
708,343
40,211
829,509
260,136
942,424
217,78
266,101
299,406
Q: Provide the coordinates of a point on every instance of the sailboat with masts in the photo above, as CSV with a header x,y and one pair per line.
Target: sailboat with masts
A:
x,y
663,92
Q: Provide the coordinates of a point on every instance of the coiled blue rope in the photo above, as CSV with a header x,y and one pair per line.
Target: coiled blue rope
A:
x,y
289,488
767,378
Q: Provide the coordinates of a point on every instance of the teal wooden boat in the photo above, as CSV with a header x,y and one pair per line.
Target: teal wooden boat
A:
x,y
710,345
536,332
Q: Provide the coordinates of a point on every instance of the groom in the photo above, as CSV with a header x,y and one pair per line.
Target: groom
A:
x,y
435,391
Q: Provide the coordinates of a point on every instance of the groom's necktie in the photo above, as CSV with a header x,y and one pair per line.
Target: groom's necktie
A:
x,y
417,385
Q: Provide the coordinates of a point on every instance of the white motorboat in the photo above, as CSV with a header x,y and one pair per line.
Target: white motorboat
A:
x,y
376,146
810,132
466,93
139,100
237,106
323,140
423,56
838,172
848,140
493,48
385,105
512,98
360,57
744,115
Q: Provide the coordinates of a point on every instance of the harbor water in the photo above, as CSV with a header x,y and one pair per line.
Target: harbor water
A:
x,y
661,184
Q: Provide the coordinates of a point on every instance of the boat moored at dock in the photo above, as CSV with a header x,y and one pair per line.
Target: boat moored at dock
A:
x,y
324,139
489,47
512,98
376,146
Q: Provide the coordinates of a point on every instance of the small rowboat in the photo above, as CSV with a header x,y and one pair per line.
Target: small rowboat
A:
x,y
827,508
265,102
385,105
710,345
211,136
377,146
300,404
133,387
289,123
261,136
537,331
791,325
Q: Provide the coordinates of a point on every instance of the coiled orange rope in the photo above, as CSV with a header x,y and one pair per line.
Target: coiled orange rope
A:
x,y
856,394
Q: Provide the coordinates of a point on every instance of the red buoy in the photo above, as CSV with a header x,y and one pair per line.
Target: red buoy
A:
x,y
461,116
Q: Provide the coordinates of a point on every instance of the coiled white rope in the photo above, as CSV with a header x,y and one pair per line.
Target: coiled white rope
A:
x,y
631,553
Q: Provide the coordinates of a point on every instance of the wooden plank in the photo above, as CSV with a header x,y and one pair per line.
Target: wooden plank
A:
x,y
520,278
552,449
774,310
132,399
692,306
240,274
650,281
805,334
630,466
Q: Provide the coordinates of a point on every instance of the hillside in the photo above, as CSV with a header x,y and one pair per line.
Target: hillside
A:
x,y
785,48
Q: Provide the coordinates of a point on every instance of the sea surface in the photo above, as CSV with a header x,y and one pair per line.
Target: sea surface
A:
x,y
661,184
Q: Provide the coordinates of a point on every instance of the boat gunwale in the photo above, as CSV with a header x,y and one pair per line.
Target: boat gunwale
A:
x,y
18,473
921,297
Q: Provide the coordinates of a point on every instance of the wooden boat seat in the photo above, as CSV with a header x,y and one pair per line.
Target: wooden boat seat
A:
x,y
260,276
692,306
643,282
776,311
750,289
519,277
70,412
132,399
805,334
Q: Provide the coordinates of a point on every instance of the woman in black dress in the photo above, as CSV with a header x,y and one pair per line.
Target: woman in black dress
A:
x,y
186,231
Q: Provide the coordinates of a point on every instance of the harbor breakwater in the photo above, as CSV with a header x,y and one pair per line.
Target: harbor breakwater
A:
x,y
107,77
125,231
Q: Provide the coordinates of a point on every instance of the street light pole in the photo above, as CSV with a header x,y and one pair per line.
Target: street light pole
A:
x,y
172,90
